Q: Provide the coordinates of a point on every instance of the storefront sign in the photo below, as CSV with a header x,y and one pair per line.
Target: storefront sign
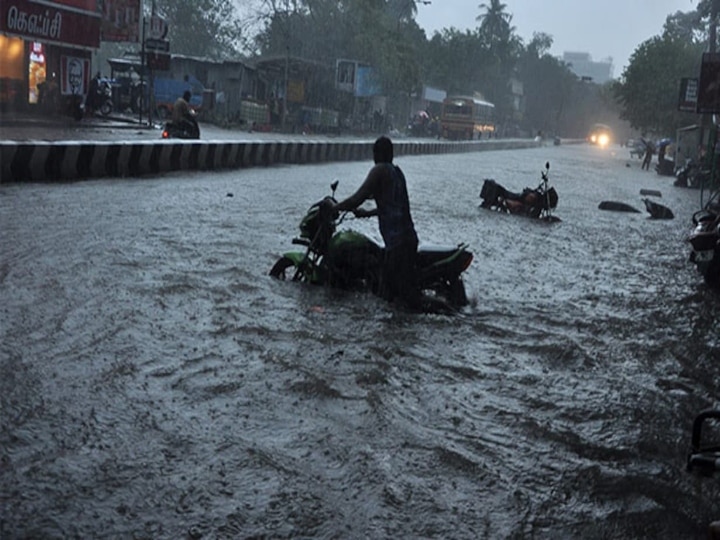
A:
x,y
36,71
160,45
687,102
158,61
345,75
708,96
120,20
39,22
74,75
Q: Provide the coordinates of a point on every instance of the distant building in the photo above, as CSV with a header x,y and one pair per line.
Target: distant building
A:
x,y
584,67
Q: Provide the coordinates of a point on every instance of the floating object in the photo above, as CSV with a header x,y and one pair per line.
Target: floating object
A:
x,y
651,192
616,206
658,211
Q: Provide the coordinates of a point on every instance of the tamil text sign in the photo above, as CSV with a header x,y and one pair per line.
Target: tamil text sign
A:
x,y
43,22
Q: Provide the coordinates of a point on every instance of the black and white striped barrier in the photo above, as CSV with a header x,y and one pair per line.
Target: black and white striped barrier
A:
x,y
44,161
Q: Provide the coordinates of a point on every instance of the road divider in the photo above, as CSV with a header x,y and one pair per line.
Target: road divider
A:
x,y
47,161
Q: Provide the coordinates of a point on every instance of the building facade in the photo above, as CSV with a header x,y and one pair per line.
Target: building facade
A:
x,y
45,51
582,65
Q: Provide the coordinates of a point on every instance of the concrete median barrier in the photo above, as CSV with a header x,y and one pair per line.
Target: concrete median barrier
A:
x,y
45,161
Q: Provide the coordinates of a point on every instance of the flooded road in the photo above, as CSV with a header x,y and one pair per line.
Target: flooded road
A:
x,y
156,383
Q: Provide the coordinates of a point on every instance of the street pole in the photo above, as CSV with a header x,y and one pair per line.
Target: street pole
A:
x,y
712,47
142,72
287,66
707,124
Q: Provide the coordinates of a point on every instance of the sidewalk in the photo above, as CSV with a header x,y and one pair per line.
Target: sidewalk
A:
x,y
11,120
36,148
24,127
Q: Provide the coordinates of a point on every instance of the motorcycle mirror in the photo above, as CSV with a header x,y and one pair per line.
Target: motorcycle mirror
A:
x,y
334,186
547,165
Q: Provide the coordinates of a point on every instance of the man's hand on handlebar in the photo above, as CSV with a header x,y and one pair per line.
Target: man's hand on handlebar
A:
x,y
362,213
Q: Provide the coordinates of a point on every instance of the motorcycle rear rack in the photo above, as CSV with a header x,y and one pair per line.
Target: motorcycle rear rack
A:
x,y
703,458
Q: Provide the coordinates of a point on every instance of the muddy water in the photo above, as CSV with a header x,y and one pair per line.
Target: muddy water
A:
x,y
155,383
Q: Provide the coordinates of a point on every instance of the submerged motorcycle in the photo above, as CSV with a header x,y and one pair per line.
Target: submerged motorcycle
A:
x,y
705,243
535,203
348,259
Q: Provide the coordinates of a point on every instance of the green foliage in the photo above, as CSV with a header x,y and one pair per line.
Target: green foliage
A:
x,y
649,88
485,60
380,33
203,28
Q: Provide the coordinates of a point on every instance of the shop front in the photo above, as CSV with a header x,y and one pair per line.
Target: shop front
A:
x,y
45,53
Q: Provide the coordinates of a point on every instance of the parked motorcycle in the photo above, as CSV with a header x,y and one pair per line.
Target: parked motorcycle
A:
x,y
665,167
704,455
184,130
99,97
536,203
705,242
104,98
348,259
692,175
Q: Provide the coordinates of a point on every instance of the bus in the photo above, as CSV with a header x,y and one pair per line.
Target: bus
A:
x,y
465,117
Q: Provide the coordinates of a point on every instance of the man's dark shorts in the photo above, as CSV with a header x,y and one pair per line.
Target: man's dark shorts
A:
x,y
400,274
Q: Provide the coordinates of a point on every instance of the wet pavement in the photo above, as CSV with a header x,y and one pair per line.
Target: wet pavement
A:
x,y
156,383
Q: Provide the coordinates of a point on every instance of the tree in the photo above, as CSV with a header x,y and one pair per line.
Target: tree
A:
x,y
649,87
380,33
502,47
495,24
404,10
204,28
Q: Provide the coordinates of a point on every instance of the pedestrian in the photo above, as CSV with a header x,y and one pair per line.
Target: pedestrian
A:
x,y
92,101
649,151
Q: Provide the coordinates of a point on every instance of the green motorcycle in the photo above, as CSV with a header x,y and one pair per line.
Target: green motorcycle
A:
x,y
348,259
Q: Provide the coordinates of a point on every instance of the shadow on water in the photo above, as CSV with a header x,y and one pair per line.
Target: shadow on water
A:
x,y
156,383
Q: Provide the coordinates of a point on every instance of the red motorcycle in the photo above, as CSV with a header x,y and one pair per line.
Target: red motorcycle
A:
x,y
535,203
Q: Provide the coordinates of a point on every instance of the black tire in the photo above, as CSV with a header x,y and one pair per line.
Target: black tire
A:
x,y
280,268
712,273
106,108
456,293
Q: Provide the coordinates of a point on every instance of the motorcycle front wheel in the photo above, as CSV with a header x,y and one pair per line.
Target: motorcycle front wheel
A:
x,y
281,269
106,108
451,292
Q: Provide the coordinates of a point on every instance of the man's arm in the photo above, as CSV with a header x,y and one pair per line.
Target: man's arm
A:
x,y
364,192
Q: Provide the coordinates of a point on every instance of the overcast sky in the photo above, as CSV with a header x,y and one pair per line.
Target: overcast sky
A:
x,y
605,28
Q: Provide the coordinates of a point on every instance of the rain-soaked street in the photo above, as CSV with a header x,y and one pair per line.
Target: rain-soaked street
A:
x,y
156,383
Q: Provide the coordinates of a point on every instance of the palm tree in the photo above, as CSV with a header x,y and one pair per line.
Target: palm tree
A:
x,y
495,23
403,9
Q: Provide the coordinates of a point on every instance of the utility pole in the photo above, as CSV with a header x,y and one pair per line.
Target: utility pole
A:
x,y
706,121
712,34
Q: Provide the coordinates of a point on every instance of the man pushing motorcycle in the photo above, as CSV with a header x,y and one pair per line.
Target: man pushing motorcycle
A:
x,y
386,184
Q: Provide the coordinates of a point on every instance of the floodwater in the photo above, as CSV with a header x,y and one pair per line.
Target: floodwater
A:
x,y
156,383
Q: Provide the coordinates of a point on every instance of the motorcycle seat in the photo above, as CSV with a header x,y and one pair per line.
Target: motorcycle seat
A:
x,y
431,254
